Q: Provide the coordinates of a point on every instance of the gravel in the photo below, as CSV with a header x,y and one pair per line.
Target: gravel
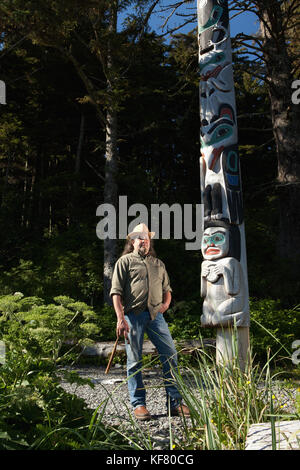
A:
x,y
118,411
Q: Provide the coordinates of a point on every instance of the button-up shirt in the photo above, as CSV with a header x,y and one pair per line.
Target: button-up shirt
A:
x,y
141,282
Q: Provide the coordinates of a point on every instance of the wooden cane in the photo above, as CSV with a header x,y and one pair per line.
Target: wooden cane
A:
x,y
112,355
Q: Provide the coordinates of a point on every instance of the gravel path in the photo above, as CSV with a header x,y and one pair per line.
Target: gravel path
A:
x,y
118,411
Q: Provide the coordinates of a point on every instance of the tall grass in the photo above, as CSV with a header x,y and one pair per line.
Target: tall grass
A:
x,y
225,403
223,399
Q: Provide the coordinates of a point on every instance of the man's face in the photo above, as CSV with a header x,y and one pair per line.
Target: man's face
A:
x,y
141,244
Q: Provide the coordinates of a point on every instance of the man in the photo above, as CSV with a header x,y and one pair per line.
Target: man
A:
x,y
141,294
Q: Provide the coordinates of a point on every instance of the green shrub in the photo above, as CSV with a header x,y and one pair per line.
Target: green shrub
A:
x,y
106,317
43,329
68,262
184,320
35,411
273,327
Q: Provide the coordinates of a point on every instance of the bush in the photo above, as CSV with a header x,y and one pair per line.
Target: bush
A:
x,y
35,411
43,329
273,327
32,404
184,320
107,319
66,262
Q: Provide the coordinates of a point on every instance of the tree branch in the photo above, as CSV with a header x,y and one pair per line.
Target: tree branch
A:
x,y
6,51
88,84
94,170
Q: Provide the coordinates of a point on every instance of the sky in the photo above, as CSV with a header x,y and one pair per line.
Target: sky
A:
x,y
245,22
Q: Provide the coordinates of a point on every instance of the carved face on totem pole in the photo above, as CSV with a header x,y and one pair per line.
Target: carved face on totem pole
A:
x,y
215,243
223,284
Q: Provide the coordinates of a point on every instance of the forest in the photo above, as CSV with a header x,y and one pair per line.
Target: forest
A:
x,y
95,104
98,106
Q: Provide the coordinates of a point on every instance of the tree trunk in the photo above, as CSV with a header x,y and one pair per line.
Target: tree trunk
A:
x,y
79,146
72,217
285,118
110,122
111,160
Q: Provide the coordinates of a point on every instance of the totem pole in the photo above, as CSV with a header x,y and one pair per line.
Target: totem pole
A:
x,y
224,281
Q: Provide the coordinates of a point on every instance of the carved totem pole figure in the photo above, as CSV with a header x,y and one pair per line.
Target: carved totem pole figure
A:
x,y
224,283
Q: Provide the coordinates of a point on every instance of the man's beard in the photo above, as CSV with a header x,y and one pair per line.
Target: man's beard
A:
x,y
143,251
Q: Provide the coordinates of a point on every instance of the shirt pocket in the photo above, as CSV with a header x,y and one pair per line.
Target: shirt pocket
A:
x,y
157,273
137,273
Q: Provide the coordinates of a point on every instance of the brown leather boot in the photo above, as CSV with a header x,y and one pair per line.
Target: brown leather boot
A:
x,y
142,413
181,410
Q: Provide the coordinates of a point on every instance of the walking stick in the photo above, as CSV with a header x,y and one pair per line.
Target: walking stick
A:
x,y
112,355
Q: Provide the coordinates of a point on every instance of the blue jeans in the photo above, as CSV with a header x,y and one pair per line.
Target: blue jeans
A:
x,y
159,334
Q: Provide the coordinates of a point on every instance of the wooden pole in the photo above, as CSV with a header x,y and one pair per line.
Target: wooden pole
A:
x,y
233,345
112,355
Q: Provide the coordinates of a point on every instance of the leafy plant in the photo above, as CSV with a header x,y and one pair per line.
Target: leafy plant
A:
x,y
45,329
271,326
224,401
184,320
35,411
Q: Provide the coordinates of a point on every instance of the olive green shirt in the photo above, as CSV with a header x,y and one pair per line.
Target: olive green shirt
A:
x,y
141,282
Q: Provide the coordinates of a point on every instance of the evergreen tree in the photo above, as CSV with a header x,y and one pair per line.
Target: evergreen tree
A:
x,y
78,29
278,19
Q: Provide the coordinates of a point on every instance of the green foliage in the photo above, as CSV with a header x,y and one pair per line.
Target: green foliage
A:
x,y
35,411
226,402
76,271
25,274
43,329
32,402
107,319
273,327
184,320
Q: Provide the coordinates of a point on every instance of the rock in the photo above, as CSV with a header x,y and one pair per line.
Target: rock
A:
x,y
104,349
111,381
287,436
188,346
